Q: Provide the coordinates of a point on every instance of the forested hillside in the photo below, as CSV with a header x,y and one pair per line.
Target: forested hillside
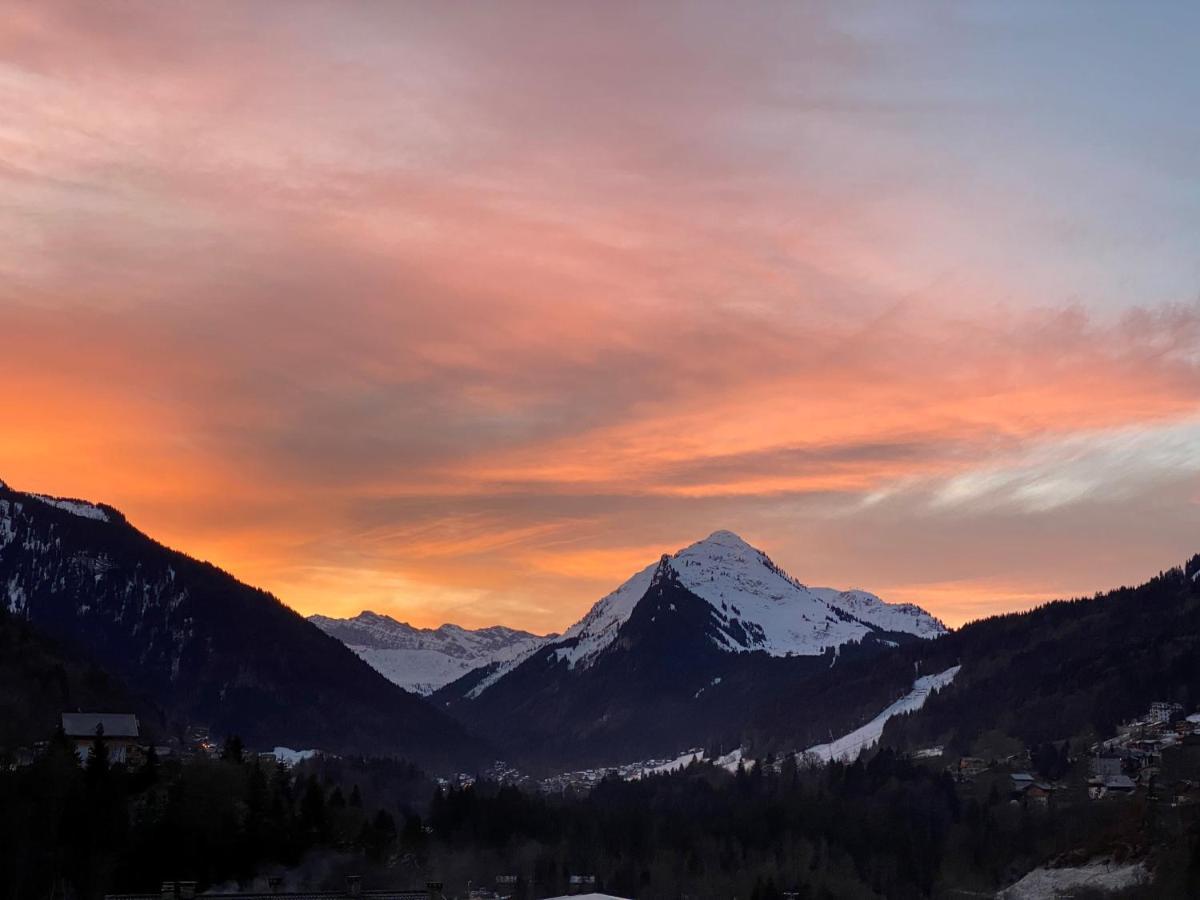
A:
x,y
39,679
1065,669
205,647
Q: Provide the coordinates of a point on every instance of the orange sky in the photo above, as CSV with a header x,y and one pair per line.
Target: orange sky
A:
x,y
468,316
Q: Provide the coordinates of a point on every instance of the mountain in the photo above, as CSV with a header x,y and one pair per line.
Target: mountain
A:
x,y
1068,669
425,659
712,645
203,646
755,606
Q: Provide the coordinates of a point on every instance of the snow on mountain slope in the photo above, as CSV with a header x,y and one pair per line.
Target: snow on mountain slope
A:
x,y
80,508
424,659
848,747
866,607
766,609
1096,878
760,606
757,604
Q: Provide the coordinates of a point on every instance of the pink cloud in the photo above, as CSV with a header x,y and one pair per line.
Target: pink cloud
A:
x,y
458,305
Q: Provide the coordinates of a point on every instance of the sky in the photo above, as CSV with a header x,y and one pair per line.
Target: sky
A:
x,y
465,312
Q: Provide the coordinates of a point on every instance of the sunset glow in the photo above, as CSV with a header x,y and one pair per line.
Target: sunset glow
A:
x,y
464,317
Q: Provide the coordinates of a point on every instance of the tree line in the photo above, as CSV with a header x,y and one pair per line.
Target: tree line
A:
x,y
887,826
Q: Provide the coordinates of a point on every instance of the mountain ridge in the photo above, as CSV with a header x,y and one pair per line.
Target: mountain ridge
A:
x,y
425,659
1064,668
160,621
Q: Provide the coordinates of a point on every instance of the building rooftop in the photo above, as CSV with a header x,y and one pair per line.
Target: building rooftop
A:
x,y
120,725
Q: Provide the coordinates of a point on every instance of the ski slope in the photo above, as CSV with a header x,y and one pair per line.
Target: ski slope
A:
x,y
849,746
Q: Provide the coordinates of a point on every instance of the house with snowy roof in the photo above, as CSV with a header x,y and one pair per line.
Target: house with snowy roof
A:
x,y
120,731
1111,786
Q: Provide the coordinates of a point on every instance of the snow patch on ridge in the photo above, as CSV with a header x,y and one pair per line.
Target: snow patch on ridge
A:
x,y
290,757
76,507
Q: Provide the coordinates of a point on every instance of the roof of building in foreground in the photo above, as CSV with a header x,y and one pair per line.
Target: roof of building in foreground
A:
x,y
81,724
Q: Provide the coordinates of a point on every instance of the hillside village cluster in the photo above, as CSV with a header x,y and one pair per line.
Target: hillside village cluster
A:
x,y
1120,766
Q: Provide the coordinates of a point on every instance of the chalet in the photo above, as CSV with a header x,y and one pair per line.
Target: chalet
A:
x,y
1040,792
1117,785
120,731
1099,787
1026,787
1162,711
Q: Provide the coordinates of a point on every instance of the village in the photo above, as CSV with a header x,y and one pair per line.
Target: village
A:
x,y
1132,761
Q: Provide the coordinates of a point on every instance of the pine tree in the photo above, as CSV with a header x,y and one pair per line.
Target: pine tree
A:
x,y
312,808
147,775
97,765
379,835
60,741
234,750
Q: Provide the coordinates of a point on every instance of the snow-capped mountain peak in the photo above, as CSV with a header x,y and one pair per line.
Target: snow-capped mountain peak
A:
x,y
756,604
425,659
